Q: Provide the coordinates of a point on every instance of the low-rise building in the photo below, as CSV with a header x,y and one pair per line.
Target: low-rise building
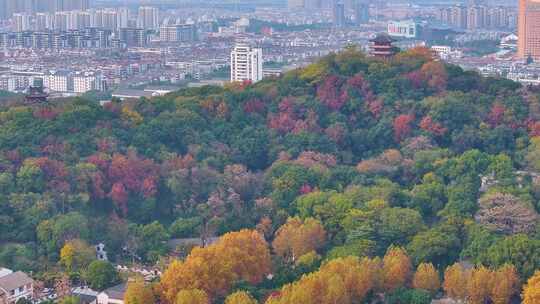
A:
x,y
405,29
15,286
113,295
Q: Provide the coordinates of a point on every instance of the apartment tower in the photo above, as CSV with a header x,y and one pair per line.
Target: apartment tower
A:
x,y
246,63
529,29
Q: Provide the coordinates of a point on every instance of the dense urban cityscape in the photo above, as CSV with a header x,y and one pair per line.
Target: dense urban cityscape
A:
x,y
145,50
269,151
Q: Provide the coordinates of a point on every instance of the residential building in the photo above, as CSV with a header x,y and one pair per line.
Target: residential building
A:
x,y
177,33
529,29
476,17
57,81
85,295
295,4
133,37
113,295
87,81
361,12
246,63
148,17
339,13
21,22
15,286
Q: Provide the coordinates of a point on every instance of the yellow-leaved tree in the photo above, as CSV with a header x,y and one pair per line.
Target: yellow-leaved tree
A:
x,y
76,254
137,292
427,278
192,296
531,291
505,284
456,280
479,285
240,297
397,268
242,255
296,238
339,281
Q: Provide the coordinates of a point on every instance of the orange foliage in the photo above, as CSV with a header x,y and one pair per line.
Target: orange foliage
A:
x,y
402,126
192,296
435,74
397,268
456,279
240,297
479,285
296,238
242,255
340,281
427,278
505,284
388,161
138,293
531,291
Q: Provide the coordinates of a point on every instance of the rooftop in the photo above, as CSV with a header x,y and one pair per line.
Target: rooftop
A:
x,y
383,38
116,292
14,280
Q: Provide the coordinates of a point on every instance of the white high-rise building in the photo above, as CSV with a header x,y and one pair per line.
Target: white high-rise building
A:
x,y
61,20
21,22
148,17
246,63
43,21
123,17
86,81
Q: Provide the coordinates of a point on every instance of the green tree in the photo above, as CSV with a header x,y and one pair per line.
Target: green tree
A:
x,y
70,300
439,245
153,239
101,275
518,250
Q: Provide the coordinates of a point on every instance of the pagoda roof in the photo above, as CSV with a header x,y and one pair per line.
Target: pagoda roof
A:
x,y
382,38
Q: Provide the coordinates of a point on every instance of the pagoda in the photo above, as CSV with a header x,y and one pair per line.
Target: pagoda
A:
x,y
382,46
35,93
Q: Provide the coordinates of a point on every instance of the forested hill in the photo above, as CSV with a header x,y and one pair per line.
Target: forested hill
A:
x,y
351,156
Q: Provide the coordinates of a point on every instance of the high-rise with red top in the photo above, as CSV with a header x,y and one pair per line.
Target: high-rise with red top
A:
x,y
529,29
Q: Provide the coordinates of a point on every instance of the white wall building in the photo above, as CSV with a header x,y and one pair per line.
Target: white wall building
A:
x,y
246,63
148,17
57,81
86,81
406,29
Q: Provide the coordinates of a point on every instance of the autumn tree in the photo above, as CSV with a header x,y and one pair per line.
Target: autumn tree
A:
x,y
402,126
240,297
296,238
76,254
137,292
479,285
505,213
456,280
427,278
242,255
435,74
505,284
531,290
397,268
192,296
338,281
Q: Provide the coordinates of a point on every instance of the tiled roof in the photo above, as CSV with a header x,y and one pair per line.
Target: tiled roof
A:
x,y
14,280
